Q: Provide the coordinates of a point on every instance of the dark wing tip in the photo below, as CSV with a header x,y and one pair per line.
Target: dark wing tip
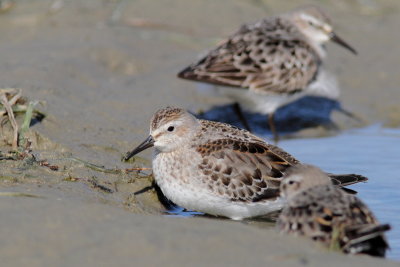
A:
x,y
347,179
183,73
360,178
270,193
349,191
356,178
383,227
367,240
187,74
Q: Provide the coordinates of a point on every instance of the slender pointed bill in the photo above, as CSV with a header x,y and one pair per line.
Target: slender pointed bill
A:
x,y
341,42
149,142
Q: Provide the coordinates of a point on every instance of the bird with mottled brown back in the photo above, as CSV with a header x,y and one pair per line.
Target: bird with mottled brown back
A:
x,y
216,168
272,62
320,211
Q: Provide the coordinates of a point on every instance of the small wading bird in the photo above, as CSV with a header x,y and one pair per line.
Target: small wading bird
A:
x,y
274,61
320,211
216,168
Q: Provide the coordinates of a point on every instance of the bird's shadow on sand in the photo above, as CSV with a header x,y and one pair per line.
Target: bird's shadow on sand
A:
x,y
306,112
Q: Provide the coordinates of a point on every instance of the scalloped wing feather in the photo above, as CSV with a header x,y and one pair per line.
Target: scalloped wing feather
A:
x,y
259,58
241,171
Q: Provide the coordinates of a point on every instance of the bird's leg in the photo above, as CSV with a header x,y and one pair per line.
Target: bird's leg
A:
x,y
271,124
351,115
239,113
331,126
144,190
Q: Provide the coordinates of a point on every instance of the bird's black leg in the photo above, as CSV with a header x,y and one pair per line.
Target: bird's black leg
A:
x,y
350,115
271,124
239,113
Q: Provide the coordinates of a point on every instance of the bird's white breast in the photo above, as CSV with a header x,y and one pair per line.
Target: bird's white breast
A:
x,y
179,180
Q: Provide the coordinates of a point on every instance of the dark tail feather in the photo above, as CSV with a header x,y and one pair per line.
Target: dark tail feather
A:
x,y
347,179
187,73
367,240
349,191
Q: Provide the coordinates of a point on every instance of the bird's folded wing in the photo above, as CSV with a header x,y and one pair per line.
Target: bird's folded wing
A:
x,y
260,60
241,171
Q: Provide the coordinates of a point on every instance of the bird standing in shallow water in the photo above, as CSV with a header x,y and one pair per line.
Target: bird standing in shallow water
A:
x,y
216,168
274,61
318,210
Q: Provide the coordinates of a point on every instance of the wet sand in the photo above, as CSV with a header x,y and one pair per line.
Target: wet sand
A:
x,y
102,68
61,230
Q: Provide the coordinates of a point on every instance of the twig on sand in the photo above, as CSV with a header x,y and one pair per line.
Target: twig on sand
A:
x,y
6,157
10,113
13,100
137,169
95,167
103,188
106,170
18,194
45,163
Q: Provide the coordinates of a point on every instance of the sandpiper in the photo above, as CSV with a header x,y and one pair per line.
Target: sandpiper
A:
x,y
274,61
217,168
318,210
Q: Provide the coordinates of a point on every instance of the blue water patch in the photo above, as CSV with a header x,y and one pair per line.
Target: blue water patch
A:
x,y
177,211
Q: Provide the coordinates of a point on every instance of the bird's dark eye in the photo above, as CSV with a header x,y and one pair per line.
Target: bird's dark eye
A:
x,y
171,128
291,182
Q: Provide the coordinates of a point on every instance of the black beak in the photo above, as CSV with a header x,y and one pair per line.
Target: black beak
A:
x,y
340,41
149,142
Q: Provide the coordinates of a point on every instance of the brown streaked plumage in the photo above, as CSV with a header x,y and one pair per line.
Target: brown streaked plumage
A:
x,y
165,115
278,60
320,211
246,60
216,168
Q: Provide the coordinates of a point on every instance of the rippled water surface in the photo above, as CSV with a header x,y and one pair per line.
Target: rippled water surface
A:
x,y
373,152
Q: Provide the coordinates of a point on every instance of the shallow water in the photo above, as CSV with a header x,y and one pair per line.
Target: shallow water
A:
x,y
371,151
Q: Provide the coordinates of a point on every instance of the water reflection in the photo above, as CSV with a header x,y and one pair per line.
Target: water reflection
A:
x,y
309,111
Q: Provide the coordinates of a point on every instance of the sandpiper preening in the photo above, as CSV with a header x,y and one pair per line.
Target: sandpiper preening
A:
x,y
320,211
274,61
216,168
